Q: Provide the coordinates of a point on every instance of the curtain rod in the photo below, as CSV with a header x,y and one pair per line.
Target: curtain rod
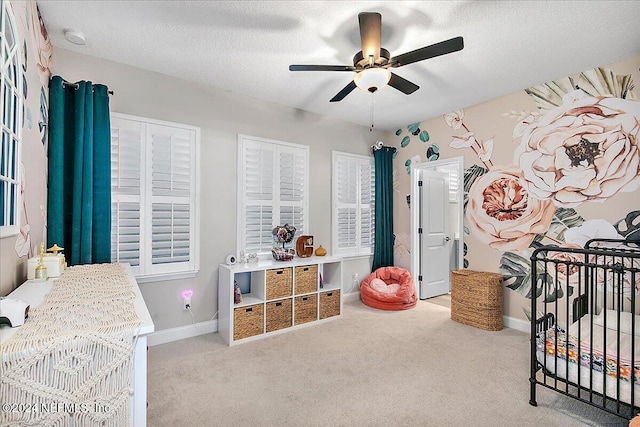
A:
x,y
76,86
378,145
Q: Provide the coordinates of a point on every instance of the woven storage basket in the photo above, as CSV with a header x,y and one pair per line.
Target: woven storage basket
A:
x,y
279,283
248,321
476,299
305,309
329,304
306,279
278,315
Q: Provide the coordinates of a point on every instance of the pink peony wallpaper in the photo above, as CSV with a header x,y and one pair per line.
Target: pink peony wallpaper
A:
x,y
585,149
539,167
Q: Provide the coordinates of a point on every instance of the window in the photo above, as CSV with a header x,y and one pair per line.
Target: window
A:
x,y
11,113
454,180
154,197
353,204
272,190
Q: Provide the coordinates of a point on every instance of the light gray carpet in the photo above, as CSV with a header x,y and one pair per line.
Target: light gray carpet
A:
x,y
369,368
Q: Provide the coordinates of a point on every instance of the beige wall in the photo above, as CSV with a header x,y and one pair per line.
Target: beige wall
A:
x,y
15,250
221,116
496,120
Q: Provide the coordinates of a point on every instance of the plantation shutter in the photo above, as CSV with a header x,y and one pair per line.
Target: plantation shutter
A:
x,y
353,204
292,188
347,210
454,184
126,184
153,193
258,169
171,195
272,191
367,206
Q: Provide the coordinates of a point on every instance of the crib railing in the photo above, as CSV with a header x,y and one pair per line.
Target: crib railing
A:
x,y
570,288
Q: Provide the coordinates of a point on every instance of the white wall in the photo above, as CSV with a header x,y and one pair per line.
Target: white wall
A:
x,y
221,116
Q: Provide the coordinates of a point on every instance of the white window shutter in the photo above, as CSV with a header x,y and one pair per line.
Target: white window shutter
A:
x,y
272,190
292,187
153,190
367,206
258,170
257,226
347,191
171,187
170,234
353,204
127,181
171,160
125,232
258,182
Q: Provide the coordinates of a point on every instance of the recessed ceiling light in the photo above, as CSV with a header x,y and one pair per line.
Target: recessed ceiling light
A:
x,y
74,37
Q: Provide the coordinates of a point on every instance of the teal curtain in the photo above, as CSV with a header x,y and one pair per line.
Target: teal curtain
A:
x,y
383,249
79,189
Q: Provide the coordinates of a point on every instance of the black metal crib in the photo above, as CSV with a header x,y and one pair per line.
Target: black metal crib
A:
x,y
585,335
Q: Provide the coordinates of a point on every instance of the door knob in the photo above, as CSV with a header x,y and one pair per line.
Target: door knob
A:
x,y
446,239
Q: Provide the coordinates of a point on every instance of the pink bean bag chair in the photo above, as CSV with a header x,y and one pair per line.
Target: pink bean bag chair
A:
x,y
389,288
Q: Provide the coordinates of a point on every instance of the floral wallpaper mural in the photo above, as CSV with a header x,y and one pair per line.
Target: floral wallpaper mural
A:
x,y
36,61
559,166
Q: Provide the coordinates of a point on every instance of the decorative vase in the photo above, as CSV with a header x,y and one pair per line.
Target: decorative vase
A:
x,y
321,251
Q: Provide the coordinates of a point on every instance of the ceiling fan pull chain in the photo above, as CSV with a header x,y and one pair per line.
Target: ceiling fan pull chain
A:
x,y
371,113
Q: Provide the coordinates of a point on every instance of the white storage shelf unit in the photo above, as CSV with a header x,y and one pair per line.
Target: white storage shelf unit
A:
x,y
278,296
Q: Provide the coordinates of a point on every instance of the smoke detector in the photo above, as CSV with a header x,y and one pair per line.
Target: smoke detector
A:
x,y
74,37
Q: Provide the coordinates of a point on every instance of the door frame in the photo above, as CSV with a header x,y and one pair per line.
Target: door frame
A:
x,y
416,202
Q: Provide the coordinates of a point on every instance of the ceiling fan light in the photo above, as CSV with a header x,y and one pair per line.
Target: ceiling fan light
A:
x,y
372,79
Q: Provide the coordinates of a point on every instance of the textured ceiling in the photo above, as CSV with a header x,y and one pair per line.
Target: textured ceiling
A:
x,y
246,47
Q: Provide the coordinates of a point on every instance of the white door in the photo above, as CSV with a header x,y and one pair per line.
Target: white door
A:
x,y
435,241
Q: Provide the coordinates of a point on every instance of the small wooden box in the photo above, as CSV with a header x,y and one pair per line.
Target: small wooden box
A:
x,y
306,279
306,309
476,299
279,283
248,321
329,304
279,315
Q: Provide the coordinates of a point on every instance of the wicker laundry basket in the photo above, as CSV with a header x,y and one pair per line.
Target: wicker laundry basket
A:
x,y
476,299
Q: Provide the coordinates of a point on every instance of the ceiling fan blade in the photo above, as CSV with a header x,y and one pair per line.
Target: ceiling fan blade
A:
x,y
321,68
402,84
370,34
344,92
448,46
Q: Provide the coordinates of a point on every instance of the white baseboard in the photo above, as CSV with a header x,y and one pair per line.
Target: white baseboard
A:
x,y
507,321
174,334
517,324
351,296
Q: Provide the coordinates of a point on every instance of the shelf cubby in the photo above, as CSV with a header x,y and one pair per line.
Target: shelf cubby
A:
x,y
277,296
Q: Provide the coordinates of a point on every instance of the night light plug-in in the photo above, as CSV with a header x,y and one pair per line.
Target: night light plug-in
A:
x,y
186,298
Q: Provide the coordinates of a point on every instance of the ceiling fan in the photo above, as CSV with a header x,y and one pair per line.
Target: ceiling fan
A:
x,y
372,63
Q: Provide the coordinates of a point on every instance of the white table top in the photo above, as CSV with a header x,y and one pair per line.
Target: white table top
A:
x,y
265,264
34,292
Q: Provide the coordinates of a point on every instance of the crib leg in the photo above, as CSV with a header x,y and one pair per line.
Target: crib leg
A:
x,y
532,397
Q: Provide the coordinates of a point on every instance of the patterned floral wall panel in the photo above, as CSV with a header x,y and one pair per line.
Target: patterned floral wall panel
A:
x,y
557,164
36,59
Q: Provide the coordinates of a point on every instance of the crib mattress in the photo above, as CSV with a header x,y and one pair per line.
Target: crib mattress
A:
x,y
594,360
